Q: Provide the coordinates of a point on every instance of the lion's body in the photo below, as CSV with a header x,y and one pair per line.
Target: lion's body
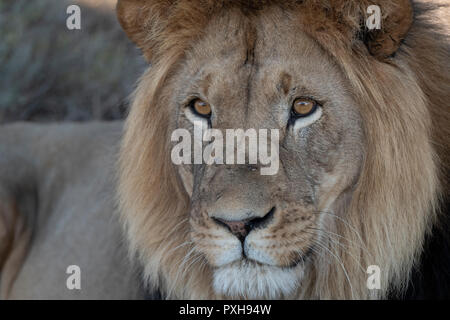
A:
x,y
60,180
369,175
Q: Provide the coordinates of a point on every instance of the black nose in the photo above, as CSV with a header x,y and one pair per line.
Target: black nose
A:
x,y
243,227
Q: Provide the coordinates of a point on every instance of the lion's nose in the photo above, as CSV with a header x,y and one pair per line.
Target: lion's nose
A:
x,y
243,227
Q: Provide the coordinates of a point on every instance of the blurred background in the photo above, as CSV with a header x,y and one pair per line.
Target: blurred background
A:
x,y
50,73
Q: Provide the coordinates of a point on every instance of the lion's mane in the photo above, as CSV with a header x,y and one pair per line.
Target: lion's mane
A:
x,y
404,103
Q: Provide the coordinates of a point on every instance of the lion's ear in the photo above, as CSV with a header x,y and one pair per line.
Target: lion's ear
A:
x,y
142,21
396,20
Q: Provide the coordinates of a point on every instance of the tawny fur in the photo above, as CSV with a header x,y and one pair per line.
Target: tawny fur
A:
x,y
396,199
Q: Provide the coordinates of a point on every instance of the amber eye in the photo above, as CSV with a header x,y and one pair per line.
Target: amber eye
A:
x,y
303,107
201,108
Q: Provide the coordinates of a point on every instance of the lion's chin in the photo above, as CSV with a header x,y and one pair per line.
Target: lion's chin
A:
x,y
250,280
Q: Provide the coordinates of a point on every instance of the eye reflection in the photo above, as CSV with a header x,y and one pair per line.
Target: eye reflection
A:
x,y
303,107
201,108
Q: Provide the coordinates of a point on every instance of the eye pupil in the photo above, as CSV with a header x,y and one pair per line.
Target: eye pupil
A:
x,y
303,107
201,107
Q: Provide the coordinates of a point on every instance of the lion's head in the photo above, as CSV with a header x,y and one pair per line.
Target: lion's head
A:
x,y
358,178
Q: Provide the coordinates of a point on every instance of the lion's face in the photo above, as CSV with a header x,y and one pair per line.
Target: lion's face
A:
x,y
356,182
259,232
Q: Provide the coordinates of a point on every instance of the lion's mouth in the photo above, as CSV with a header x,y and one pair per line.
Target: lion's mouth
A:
x,y
293,264
253,263
302,258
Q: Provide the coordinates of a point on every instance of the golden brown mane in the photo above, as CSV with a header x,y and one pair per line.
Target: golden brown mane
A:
x,y
405,106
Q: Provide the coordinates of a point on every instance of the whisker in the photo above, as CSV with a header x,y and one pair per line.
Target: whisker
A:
x,y
323,246
352,228
180,246
186,258
328,232
336,242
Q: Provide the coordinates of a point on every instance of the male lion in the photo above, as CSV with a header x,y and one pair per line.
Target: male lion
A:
x,y
364,132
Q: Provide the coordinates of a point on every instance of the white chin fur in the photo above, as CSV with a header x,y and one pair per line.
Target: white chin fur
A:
x,y
254,281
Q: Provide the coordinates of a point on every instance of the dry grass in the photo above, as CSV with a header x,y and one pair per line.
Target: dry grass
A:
x,y
51,73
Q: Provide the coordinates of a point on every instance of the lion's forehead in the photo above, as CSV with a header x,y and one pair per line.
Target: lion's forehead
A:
x,y
264,52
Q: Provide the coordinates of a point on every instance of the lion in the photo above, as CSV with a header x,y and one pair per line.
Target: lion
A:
x,y
364,137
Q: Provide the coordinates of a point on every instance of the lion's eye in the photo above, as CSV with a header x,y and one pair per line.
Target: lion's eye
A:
x,y
303,107
201,108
